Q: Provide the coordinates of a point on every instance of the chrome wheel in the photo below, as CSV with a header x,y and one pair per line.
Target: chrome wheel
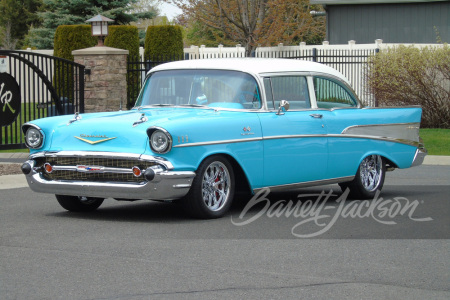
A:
x,y
369,178
212,190
216,186
371,172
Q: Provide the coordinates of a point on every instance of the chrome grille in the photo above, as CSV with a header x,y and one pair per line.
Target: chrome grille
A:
x,y
93,161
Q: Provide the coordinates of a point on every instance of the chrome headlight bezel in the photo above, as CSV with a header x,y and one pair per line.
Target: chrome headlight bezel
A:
x,y
160,140
34,136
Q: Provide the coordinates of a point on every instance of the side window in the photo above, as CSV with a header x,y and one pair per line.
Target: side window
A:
x,y
330,94
291,88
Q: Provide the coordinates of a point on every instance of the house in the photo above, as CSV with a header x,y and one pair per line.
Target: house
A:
x,y
396,21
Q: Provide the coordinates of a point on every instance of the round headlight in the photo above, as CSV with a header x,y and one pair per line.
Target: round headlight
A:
x,y
33,138
160,141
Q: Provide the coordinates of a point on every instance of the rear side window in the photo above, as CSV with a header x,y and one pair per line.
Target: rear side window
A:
x,y
291,88
331,94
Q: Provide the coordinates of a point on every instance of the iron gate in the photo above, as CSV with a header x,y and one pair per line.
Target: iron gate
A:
x,y
34,86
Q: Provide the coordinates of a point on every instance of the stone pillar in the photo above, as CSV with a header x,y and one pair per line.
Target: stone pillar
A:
x,y
105,88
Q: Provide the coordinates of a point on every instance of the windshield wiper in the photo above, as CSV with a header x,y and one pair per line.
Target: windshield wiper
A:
x,y
194,105
161,104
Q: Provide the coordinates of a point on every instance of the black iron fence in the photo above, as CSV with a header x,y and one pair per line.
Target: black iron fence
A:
x,y
137,70
351,63
34,86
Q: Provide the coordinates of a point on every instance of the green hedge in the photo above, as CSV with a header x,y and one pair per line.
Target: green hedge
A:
x,y
164,42
127,37
73,37
124,37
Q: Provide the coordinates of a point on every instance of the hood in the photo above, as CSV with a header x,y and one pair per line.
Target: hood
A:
x,y
110,132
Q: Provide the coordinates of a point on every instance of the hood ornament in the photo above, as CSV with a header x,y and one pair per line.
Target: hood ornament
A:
x,y
76,117
141,120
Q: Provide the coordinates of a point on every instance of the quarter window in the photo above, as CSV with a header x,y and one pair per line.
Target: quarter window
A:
x,y
330,94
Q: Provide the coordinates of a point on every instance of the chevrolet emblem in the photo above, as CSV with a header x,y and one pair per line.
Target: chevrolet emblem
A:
x,y
93,142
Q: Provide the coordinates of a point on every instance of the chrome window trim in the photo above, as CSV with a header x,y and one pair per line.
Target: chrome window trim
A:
x,y
343,83
256,77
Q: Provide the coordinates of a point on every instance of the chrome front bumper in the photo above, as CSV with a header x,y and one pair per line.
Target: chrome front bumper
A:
x,y
166,184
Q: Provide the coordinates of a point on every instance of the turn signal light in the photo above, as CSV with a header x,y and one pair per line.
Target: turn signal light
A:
x,y
48,168
136,171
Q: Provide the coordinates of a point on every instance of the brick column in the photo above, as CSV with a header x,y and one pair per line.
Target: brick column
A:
x,y
105,89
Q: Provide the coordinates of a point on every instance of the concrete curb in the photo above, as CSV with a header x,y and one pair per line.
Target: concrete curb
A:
x,y
13,155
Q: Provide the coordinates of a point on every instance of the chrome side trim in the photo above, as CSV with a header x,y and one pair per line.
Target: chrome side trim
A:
x,y
285,187
131,156
275,137
219,142
404,133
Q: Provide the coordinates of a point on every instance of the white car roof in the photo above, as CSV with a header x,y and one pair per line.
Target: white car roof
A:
x,y
257,66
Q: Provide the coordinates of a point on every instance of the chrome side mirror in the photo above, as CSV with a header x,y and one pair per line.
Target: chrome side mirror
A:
x,y
284,107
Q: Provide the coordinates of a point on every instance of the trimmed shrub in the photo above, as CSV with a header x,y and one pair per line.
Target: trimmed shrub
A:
x,y
127,37
163,42
124,37
411,76
72,37
69,38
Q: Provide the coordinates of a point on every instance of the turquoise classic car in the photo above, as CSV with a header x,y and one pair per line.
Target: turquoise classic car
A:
x,y
201,130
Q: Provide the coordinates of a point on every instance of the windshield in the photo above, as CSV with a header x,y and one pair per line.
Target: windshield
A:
x,y
211,88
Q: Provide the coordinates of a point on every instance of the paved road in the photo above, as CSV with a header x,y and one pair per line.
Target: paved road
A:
x,y
149,250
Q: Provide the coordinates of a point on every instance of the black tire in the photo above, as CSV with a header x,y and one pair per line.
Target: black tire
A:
x,y
78,203
368,179
212,189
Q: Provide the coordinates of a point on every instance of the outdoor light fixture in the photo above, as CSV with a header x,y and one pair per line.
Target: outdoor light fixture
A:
x,y
99,26
317,13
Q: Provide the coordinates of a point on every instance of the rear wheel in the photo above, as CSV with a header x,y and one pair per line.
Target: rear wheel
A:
x,y
78,203
368,179
212,189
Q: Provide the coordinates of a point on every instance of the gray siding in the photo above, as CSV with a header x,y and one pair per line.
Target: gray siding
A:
x,y
393,23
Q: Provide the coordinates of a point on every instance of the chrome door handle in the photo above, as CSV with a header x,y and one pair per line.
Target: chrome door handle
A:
x,y
317,116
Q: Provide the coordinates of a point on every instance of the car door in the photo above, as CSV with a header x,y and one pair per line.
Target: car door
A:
x,y
339,108
294,141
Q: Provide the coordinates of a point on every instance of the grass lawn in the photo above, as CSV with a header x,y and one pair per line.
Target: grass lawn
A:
x,y
437,141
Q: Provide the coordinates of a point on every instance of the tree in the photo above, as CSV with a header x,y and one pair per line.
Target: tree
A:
x,y
290,22
72,12
254,22
16,17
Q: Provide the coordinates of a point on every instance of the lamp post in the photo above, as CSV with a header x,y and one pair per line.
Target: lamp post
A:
x,y
99,25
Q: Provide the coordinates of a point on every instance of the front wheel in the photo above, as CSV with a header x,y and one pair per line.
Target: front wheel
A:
x,y
368,179
78,203
212,189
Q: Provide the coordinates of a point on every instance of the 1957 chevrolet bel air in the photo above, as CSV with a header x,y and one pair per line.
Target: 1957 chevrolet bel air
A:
x,y
203,129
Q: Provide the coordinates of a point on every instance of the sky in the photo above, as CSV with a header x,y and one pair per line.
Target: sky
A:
x,y
169,10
